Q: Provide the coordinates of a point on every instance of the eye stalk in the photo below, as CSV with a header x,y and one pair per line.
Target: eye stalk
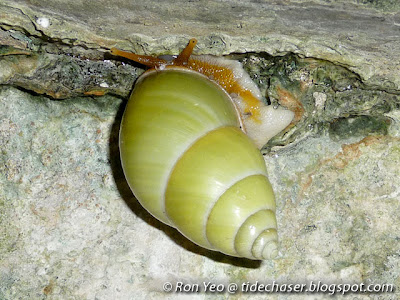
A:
x,y
156,62
183,57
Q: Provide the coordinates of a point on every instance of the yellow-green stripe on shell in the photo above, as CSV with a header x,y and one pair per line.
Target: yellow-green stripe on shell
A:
x,y
191,166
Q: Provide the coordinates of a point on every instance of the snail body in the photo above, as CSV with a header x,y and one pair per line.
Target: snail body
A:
x,y
190,164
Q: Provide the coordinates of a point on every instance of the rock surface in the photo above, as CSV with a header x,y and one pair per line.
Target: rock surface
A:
x,y
363,37
71,229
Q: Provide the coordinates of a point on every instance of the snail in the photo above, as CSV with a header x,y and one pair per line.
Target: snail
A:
x,y
186,155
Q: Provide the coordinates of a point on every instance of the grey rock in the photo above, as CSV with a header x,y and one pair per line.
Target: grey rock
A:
x,y
363,37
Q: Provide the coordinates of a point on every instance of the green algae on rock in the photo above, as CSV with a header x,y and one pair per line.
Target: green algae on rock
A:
x,y
320,93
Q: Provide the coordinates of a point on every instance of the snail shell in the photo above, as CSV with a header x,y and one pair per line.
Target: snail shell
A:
x,y
189,163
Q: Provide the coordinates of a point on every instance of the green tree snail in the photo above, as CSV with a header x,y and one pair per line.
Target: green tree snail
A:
x,y
186,156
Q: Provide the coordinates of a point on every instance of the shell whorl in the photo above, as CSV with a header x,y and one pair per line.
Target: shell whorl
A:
x,y
189,164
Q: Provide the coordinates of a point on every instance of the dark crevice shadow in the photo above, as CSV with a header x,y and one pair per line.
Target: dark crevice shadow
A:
x,y
138,210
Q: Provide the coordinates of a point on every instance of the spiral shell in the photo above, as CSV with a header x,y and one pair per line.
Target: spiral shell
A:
x,y
191,166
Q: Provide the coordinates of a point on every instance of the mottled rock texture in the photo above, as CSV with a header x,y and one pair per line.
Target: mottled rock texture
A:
x,y
351,33
71,229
